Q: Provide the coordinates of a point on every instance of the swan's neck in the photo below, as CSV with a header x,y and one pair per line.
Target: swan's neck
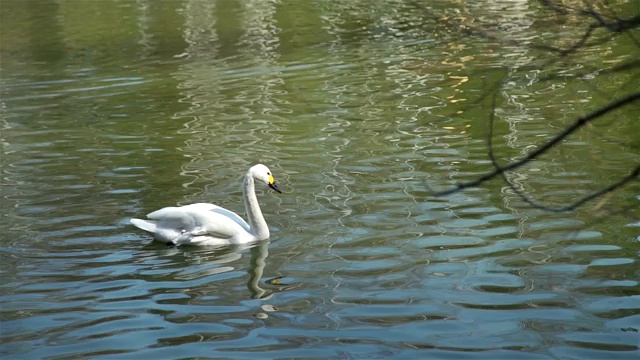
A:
x,y
256,220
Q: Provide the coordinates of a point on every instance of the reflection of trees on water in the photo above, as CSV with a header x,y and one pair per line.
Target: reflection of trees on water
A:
x,y
143,22
232,103
336,193
386,82
199,82
515,26
582,90
260,98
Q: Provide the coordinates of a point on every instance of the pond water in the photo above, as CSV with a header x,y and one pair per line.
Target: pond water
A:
x,y
113,109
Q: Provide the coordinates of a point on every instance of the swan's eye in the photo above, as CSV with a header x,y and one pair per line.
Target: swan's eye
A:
x,y
268,173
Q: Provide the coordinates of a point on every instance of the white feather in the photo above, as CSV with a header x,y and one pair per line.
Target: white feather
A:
x,y
209,224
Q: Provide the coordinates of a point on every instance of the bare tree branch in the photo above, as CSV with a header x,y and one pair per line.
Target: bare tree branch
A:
x,y
634,174
574,48
630,65
614,25
545,147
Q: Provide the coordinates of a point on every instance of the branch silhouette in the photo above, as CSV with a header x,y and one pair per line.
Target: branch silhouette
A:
x,y
597,22
634,174
498,170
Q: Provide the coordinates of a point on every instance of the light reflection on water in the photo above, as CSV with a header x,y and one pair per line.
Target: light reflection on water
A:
x,y
355,111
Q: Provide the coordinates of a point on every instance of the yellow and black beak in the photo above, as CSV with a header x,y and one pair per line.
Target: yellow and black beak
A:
x,y
272,184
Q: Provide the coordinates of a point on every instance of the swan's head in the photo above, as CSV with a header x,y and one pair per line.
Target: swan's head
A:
x,y
262,173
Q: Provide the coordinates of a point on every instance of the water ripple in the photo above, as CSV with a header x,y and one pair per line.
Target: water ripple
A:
x,y
360,108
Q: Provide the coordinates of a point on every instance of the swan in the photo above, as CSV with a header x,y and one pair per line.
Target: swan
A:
x,y
209,224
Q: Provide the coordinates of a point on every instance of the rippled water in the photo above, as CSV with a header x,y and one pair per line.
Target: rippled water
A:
x,y
359,109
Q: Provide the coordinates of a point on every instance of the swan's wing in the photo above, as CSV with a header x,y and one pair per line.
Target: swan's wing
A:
x,y
220,210
198,221
172,217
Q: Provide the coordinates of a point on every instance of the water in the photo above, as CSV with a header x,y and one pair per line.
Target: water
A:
x,y
111,110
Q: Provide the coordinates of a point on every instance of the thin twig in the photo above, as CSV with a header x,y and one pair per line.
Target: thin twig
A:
x,y
528,200
545,147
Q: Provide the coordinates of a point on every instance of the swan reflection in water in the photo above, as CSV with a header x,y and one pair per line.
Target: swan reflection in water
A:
x,y
259,254
192,263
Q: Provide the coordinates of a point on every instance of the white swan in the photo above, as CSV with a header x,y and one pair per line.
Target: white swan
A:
x,y
208,224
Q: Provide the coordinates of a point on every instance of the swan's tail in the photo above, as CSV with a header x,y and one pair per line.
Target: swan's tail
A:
x,y
145,225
